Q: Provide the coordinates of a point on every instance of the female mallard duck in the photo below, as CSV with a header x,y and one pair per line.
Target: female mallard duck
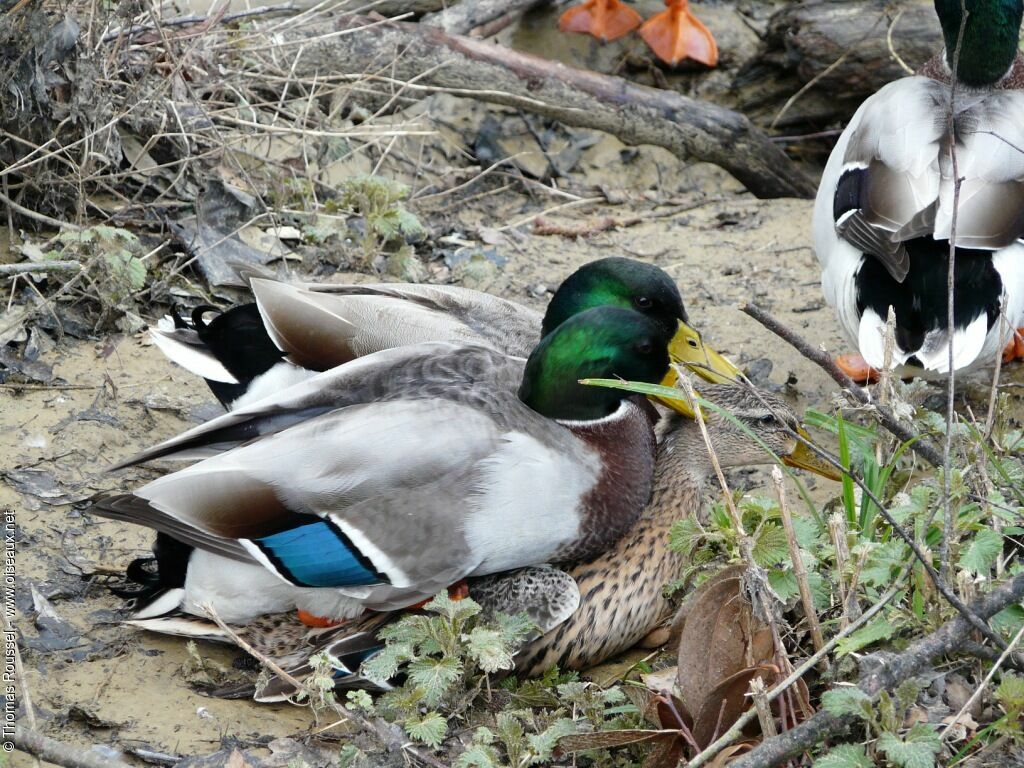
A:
x,y
596,607
673,35
884,211
290,332
379,482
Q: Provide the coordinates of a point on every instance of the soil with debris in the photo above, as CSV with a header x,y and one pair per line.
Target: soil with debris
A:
x,y
71,406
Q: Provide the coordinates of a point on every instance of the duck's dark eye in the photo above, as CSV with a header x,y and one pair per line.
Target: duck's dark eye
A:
x,y
643,302
767,420
644,347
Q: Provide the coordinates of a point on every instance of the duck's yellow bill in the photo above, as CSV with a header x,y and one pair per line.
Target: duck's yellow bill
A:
x,y
803,457
688,349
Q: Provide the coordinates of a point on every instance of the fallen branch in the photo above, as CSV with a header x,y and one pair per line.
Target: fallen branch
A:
x,y
208,21
951,636
477,19
428,59
57,752
886,417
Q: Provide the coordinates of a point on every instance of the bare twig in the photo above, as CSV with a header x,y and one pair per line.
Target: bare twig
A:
x,y
981,686
947,446
183,21
57,752
799,571
885,416
39,266
950,637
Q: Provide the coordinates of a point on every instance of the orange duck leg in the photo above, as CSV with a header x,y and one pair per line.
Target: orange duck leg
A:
x,y
457,591
604,19
676,34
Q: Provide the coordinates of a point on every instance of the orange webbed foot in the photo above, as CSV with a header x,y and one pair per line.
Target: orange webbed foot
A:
x,y
317,622
1014,349
857,368
677,34
604,19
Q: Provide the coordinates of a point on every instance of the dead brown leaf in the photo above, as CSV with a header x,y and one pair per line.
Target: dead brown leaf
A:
x,y
721,637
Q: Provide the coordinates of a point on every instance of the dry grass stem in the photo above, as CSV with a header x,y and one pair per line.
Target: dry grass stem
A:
x,y
799,571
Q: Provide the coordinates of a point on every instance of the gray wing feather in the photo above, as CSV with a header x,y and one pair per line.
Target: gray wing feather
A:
x,y
547,595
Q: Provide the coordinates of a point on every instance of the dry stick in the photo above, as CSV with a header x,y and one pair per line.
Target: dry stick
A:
x,y
885,416
57,752
40,266
837,532
385,732
951,636
737,728
182,21
947,491
685,126
798,562
985,682
940,583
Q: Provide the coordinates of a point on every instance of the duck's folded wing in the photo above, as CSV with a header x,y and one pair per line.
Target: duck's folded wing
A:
x,y
375,494
320,327
409,372
896,181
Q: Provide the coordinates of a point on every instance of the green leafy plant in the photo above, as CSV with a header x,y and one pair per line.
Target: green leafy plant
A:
x,y
387,223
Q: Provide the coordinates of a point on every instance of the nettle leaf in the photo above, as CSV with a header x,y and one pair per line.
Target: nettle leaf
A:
x,y
430,728
845,756
1009,620
879,629
455,610
435,677
479,756
543,744
771,546
846,700
382,667
685,535
1010,693
783,583
915,750
983,551
489,649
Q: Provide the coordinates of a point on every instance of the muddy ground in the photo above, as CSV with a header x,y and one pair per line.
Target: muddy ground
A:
x,y
93,682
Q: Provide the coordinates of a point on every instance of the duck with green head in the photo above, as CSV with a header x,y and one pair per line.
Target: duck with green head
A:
x,y
292,332
378,483
883,217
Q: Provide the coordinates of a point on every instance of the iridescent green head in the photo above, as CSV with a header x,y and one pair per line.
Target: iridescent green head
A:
x,y
617,282
990,41
605,342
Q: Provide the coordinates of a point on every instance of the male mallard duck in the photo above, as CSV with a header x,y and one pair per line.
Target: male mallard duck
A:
x,y
379,482
590,610
673,35
883,215
291,331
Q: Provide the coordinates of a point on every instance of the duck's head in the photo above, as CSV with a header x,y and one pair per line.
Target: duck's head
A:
x,y
758,423
990,41
644,288
603,342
